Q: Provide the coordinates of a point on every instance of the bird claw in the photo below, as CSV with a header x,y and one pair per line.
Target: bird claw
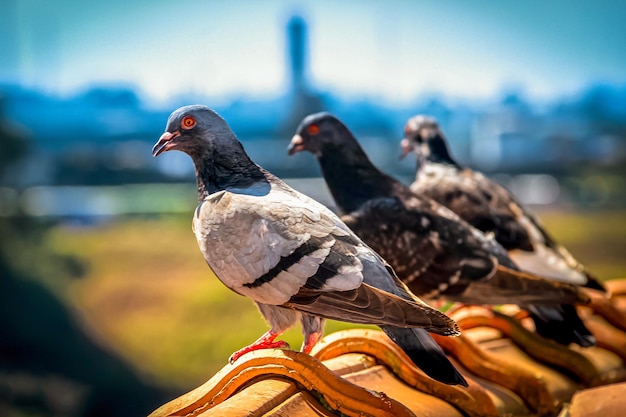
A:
x,y
280,344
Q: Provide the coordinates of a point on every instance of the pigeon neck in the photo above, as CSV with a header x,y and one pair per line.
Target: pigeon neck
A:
x,y
351,177
438,152
217,171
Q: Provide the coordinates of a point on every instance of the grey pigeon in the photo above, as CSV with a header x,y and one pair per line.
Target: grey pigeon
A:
x,y
291,255
432,250
490,207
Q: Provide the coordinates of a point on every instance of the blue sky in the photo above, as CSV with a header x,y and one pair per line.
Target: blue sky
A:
x,y
393,49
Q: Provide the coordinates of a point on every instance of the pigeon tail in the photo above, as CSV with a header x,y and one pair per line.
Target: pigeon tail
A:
x,y
535,289
594,283
426,354
561,324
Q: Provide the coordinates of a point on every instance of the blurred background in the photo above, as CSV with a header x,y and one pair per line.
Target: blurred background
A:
x,y
107,307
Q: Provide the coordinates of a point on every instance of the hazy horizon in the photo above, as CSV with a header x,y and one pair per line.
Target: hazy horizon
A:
x,y
393,51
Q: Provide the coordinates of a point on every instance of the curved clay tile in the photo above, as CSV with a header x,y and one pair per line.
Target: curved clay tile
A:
x,y
607,336
302,369
510,371
608,308
473,401
538,347
530,387
606,401
616,287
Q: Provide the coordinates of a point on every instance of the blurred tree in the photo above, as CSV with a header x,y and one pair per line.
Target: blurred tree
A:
x,y
14,145
49,366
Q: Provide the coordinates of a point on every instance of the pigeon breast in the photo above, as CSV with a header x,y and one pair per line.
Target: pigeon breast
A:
x,y
266,249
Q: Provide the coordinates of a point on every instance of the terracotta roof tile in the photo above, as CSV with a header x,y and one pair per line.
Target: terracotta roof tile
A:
x,y
510,370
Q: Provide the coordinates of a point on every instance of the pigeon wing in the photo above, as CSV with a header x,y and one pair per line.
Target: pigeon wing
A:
x,y
480,202
491,208
282,248
269,246
431,253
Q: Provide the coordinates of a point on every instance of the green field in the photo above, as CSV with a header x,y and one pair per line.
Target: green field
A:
x,y
149,295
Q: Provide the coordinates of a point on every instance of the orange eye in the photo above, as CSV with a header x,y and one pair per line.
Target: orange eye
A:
x,y
313,130
188,122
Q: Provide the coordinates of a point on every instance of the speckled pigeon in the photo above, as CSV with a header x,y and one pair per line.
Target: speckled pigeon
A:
x,y
488,206
291,255
432,250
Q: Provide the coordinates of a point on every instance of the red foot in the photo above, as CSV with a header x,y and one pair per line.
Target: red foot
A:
x,y
264,342
311,341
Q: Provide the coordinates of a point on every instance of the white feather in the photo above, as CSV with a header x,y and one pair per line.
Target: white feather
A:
x,y
543,260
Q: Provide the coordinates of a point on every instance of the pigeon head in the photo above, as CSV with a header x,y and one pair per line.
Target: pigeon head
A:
x,y
193,130
350,175
423,136
219,158
319,132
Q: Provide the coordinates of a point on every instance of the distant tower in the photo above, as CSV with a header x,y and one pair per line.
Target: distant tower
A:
x,y
297,38
303,99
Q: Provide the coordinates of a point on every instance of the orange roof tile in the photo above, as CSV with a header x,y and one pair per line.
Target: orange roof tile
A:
x,y
510,370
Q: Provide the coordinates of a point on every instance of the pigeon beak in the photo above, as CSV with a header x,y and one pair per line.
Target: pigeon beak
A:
x,y
296,145
165,143
406,147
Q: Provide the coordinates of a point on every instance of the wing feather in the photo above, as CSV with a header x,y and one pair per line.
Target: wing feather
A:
x,y
269,246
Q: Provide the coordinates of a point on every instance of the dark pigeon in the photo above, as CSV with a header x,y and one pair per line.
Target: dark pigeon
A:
x,y
488,206
291,255
436,253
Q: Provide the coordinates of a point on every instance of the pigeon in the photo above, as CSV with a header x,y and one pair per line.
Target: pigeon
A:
x,y
491,208
434,251
292,255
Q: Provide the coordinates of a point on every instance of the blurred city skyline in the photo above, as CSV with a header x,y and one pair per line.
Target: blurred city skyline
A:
x,y
519,91
392,51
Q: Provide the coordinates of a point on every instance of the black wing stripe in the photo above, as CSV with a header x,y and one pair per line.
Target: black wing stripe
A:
x,y
307,248
342,254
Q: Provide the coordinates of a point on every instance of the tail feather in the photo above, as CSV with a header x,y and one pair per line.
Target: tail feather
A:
x,y
527,288
509,286
594,283
561,324
426,354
